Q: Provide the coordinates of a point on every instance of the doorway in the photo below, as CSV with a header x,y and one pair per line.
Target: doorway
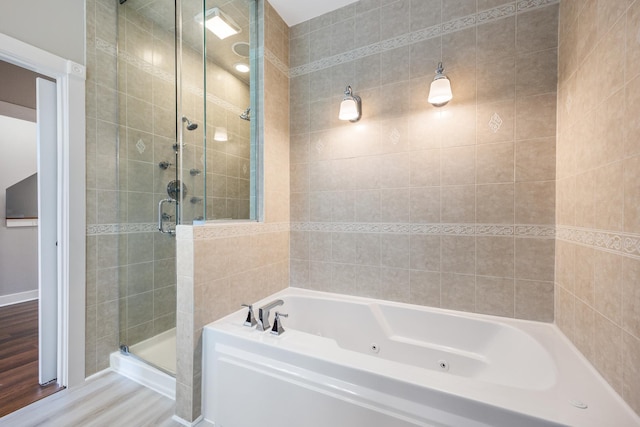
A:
x,y
70,136
29,282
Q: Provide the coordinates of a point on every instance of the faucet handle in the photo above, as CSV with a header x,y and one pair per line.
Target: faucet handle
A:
x,y
251,318
277,324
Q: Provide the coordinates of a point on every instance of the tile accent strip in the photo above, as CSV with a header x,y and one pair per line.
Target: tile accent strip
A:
x,y
279,64
102,229
538,231
452,26
620,243
212,230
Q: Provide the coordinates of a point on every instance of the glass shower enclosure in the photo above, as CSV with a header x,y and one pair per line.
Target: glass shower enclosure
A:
x,y
184,151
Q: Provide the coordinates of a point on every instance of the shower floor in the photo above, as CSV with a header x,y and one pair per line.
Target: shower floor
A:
x,y
159,350
154,364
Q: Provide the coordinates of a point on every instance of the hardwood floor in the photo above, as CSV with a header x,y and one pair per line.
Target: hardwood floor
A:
x,y
106,401
19,358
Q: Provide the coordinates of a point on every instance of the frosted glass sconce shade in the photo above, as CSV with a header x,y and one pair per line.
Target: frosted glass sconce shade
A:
x,y
350,107
440,91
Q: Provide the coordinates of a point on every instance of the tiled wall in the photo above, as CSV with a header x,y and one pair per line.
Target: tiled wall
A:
x,y
221,266
598,188
449,207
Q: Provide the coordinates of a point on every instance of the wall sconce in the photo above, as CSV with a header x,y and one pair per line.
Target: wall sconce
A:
x,y
220,134
219,23
350,107
440,91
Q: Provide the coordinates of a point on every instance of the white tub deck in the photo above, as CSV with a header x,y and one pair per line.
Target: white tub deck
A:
x,y
348,361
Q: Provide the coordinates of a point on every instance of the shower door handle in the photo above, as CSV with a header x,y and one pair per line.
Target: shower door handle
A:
x,y
161,217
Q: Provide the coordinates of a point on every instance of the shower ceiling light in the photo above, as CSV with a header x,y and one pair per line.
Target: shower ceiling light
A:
x,y
241,67
440,91
350,107
219,23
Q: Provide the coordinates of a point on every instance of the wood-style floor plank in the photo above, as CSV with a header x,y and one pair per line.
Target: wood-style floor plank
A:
x,y
19,358
105,401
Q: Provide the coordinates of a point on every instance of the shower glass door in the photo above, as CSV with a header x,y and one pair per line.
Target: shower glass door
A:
x,y
147,174
185,152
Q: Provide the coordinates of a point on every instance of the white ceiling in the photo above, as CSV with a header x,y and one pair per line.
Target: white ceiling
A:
x,y
296,11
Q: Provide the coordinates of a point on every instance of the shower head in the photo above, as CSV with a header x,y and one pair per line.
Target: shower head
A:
x,y
190,124
246,115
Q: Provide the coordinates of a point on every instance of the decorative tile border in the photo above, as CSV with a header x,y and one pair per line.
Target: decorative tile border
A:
x,y
279,64
149,68
105,229
539,231
627,244
211,230
448,27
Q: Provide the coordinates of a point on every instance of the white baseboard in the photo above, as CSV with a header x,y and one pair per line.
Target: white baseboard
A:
x,y
198,422
18,298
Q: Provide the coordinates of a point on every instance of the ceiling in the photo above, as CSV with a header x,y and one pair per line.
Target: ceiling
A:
x,y
296,11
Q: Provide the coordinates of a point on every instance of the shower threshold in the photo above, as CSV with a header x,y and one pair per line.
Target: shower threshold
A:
x,y
151,363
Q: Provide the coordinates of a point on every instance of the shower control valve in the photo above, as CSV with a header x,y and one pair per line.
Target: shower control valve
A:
x,y
251,318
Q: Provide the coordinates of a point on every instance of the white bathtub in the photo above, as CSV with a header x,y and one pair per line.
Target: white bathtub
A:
x,y
348,361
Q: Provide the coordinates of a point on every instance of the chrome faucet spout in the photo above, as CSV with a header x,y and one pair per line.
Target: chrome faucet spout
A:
x,y
263,314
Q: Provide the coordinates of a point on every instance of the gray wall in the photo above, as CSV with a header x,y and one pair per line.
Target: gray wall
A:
x,y
57,27
449,207
18,246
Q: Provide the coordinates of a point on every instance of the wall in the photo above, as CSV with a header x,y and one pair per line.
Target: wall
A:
x,y
449,207
223,265
18,246
57,27
598,188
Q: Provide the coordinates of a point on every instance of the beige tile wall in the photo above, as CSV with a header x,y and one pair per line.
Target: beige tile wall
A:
x,y
598,197
450,207
221,266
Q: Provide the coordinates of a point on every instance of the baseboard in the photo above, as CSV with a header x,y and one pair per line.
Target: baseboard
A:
x,y
18,298
198,422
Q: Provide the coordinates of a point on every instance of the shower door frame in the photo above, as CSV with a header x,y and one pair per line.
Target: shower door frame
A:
x,y
70,86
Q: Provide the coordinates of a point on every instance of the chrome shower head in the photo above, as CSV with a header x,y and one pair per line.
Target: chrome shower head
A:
x,y
190,124
246,115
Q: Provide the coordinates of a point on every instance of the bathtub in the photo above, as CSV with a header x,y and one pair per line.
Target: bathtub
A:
x,y
348,362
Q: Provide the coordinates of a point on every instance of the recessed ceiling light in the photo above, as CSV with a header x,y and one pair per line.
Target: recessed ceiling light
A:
x,y
241,67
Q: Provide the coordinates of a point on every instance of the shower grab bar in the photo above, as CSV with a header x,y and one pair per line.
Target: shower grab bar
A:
x,y
161,217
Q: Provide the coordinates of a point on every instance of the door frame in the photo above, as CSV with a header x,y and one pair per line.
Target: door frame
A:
x,y
70,86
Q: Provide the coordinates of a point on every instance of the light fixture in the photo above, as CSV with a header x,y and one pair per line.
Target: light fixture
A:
x,y
241,67
440,91
350,107
221,134
219,23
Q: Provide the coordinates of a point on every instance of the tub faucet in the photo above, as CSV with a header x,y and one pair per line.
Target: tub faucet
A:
x,y
263,314
251,318
277,324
